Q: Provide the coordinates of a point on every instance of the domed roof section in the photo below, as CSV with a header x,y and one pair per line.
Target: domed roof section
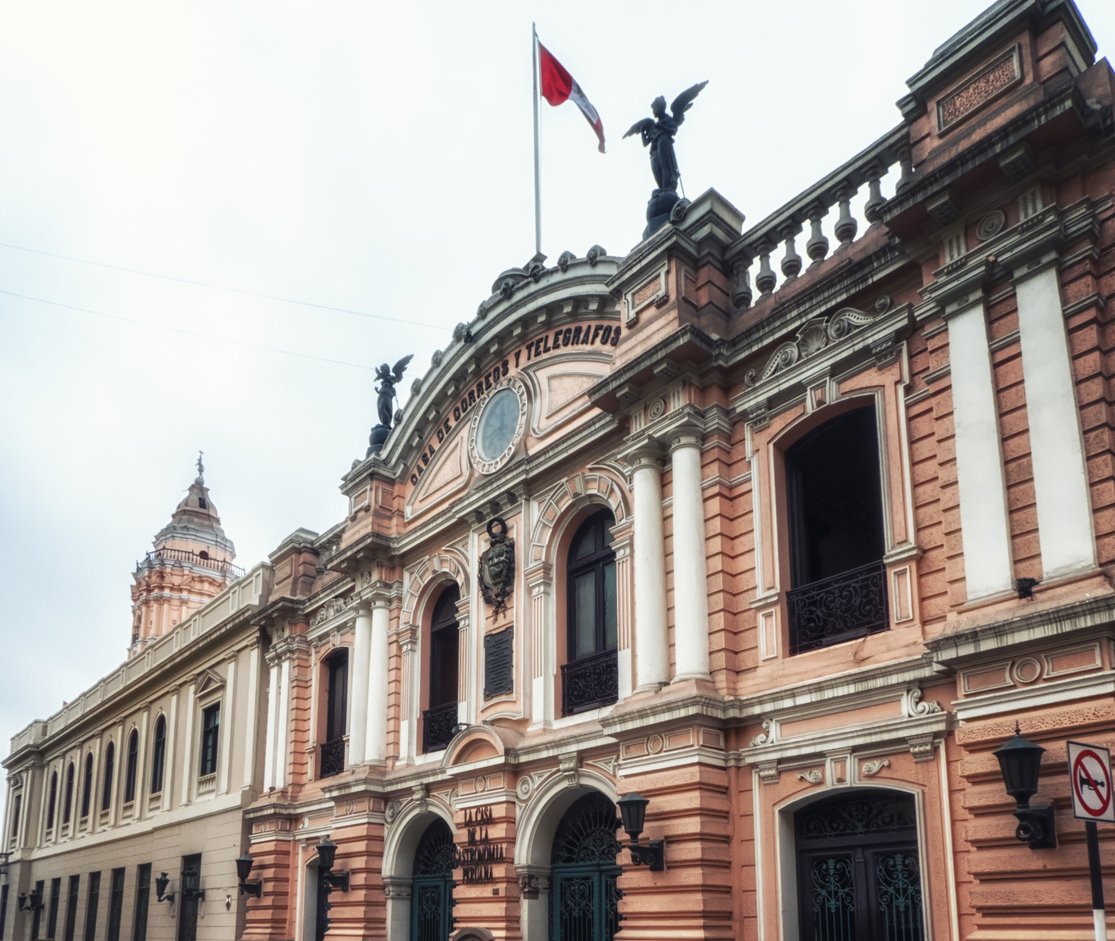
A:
x,y
196,519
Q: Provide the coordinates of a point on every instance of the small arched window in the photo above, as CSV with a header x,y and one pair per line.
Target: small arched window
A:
x,y
158,755
52,800
87,785
67,807
110,772
589,677
439,722
131,767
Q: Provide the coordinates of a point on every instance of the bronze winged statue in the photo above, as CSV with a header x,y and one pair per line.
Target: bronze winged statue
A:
x,y
388,377
658,134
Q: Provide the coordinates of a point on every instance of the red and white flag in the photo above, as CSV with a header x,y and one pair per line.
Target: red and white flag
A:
x,y
558,87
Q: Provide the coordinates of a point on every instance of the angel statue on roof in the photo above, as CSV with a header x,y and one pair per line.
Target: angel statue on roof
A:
x,y
658,134
388,378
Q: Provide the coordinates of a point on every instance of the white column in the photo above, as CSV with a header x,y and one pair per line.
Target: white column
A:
x,y
1056,444
358,698
375,747
651,651
282,740
690,565
271,741
979,461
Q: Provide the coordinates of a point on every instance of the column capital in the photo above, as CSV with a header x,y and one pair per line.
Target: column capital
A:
x,y
647,452
686,435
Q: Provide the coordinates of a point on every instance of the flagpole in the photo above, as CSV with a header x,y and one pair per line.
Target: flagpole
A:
x,y
537,175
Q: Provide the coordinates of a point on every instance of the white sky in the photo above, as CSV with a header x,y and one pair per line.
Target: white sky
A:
x,y
352,155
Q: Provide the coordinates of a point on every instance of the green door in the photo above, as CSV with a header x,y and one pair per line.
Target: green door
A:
x,y
584,896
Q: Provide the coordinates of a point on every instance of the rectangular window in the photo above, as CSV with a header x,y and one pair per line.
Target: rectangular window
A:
x,y
210,732
52,915
91,906
71,907
115,905
143,895
36,919
3,909
17,806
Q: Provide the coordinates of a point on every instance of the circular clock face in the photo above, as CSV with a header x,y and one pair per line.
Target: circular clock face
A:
x,y
497,427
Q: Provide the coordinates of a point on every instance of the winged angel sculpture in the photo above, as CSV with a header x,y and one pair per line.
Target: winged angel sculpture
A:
x,y
658,134
388,378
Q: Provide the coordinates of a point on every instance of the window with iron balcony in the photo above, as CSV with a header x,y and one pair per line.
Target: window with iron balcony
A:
x,y
439,720
332,750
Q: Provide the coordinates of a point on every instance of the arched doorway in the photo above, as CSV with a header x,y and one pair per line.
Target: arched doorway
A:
x,y
432,884
584,897
858,869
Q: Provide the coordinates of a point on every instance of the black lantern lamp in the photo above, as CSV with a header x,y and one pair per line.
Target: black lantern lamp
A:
x,y
326,854
652,853
31,902
162,880
1020,763
190,888
243,870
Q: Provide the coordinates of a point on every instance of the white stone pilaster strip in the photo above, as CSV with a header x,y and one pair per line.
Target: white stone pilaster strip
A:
x,y
1056,444
359,700
621,545
979,460
282,741
464,659
247,769
542,644
651,646
187,771
272,733
375,746
227,729
691,641
409,692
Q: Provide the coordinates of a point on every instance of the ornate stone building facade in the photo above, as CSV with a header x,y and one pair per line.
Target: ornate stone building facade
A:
x,y
787,545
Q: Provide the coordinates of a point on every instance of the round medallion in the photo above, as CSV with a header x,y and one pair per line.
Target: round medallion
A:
x,y
498,426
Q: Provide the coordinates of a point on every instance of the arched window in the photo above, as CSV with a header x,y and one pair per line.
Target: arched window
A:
x,y
67,807
131,767
439,722
87,785
835,519
110,771
336,712
52,800
158,755
589,677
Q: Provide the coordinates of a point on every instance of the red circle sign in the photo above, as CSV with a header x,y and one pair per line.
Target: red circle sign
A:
x,y
1091,782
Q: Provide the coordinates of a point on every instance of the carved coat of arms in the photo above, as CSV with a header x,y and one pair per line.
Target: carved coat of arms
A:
x,y
497,566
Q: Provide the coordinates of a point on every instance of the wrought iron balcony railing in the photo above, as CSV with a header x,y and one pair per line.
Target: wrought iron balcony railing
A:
x,y
439,725
589,682
331,757
843,607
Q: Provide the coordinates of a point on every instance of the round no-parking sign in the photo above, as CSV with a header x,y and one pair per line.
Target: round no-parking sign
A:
x,y
1090,777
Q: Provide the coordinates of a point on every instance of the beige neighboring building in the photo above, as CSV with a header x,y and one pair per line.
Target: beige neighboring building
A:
x,y
145,772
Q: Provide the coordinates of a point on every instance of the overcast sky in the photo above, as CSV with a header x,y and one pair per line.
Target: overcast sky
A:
x,y
193,193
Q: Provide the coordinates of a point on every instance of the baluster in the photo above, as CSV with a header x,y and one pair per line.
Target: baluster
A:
x,y
766,278
741,297
791,263
873,209
846,224
818,245
905,161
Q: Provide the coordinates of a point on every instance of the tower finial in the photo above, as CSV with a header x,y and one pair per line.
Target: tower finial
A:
x,y
200,468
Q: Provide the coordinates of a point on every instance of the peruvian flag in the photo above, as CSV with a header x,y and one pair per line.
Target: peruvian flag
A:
x,y
558,86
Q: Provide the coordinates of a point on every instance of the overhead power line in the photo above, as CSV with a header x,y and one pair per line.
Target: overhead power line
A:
x,y
185,332
220,287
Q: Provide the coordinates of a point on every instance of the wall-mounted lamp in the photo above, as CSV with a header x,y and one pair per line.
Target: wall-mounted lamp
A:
x,y
31,902
1020,763
162,880
326,854
243,869
652,853
188,890
1025,587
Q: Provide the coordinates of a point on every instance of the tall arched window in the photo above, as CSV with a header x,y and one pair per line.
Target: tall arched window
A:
x,y
835,518
131,767
336,712
158,755
439,722
110,771
589,677
87,785
67,807
52,800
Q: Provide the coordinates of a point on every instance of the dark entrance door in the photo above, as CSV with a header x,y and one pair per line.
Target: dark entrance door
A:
x,y
584,897
187,910
431,897
858,872
321,918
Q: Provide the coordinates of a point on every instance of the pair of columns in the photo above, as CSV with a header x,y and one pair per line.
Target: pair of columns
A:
x,y
690,573
367,739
